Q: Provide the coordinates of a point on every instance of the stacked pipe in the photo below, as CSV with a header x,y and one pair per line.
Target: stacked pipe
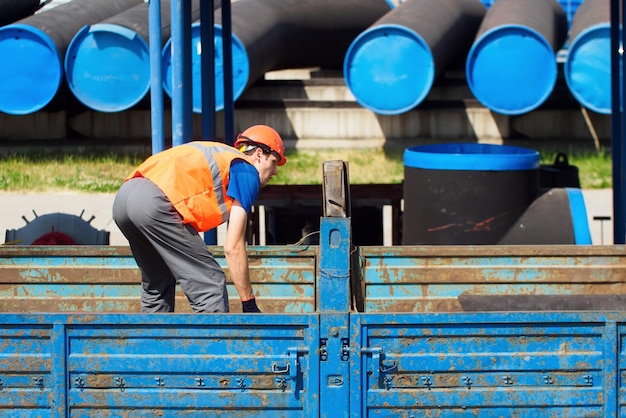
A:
x,y
35,47
283,34
588,64
107,64
511,68
391,67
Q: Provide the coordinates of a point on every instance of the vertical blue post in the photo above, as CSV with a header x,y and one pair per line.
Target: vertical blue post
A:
x,y
617,122
334,307
207,66
611,369
182,107
227,47
156,76
60,387
334,285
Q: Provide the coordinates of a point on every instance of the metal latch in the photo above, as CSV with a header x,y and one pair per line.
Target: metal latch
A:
x,y
379,365
292,368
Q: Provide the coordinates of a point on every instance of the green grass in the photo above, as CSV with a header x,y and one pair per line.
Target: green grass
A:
x,y
89,173
104,172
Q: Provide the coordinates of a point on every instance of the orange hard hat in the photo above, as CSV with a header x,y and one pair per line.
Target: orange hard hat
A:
x,y
263,135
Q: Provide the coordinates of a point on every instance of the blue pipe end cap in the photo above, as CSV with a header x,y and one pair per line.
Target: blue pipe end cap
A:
x,y
389,69
31,73
241,68
107,67
511,69
588,68
578,210
471,156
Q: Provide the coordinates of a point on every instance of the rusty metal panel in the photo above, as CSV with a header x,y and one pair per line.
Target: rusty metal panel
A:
x,y
559,364
32,379
160,365
106,279
489,278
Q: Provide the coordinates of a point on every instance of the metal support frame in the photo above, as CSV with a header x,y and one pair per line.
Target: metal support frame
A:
x,y
182,109
618,87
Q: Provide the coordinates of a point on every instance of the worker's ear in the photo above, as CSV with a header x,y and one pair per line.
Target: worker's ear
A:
x,y
258,153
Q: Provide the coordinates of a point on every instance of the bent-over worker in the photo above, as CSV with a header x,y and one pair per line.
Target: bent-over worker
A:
x,y
172,196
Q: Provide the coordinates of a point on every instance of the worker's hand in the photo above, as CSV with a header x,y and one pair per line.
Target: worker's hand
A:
x,y
249,306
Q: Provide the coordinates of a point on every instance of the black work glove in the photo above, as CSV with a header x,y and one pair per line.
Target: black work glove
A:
x,y
249,306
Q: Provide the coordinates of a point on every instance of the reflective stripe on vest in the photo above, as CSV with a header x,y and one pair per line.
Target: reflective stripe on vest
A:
x,y
194,177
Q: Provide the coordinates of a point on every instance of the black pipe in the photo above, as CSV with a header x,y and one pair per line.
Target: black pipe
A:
x,y
107,64
511,68
62,22
34,79
590,13
587,66
13,10
391,67
546,17
283,34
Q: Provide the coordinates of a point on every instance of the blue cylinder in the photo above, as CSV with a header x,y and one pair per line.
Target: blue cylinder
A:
x,y
466,193
34,47
391,67
588,63
511,68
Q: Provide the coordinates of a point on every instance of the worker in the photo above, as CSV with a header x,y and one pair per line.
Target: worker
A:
x,y
165,203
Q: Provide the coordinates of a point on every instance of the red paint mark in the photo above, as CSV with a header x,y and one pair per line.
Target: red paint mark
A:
x,y
485,225
442,227
482,225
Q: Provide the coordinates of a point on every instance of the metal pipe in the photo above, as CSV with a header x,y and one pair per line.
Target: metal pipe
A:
x,y
156,77
617,121
181,70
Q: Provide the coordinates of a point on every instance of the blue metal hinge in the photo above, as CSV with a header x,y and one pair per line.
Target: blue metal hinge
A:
x,y
345,349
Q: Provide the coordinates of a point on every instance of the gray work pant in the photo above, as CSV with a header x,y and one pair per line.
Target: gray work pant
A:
x,y
167,251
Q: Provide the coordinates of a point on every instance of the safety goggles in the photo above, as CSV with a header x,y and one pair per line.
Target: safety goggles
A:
x,y
264,148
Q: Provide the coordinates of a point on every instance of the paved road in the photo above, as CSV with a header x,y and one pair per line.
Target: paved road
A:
x,y
14,206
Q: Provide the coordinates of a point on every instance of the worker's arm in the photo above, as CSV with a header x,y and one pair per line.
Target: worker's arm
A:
x,y
236,254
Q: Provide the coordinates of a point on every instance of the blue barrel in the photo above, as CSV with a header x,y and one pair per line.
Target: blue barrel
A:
x,y
466,193
511,68
391,67
35,47
107,65
588,63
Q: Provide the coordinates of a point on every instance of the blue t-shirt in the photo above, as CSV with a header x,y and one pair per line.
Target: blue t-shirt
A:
x,y
244,183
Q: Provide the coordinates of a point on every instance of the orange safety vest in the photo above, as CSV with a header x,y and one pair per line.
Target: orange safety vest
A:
x,y
194,177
